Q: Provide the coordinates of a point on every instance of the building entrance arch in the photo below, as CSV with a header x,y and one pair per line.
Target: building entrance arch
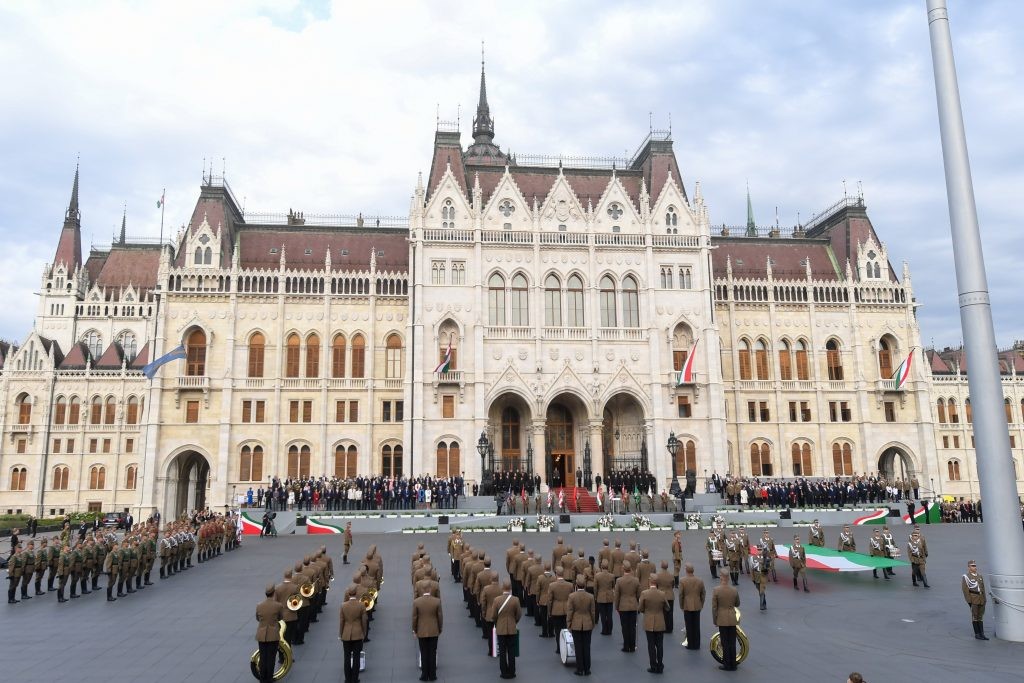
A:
x,y
188,475
895,463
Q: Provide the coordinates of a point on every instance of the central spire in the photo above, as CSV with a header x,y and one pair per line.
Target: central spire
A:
x,y
73,214
751,226
483,124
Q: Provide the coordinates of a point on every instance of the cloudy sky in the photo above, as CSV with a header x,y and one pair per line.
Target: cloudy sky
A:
x,y
331,107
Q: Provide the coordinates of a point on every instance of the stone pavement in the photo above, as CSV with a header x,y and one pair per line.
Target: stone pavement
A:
x,y
199,626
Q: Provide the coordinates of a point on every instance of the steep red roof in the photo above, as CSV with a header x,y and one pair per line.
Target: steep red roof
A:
x,y
94,264
129,264
111,358
257,243
750,255
936,364
69,248
447,151
142,359
76,358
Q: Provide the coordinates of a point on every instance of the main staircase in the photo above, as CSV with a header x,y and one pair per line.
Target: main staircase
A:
x,y
588,503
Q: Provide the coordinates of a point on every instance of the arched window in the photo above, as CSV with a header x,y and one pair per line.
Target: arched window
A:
x,y
671,217
608,316
441,457
448,337
199,256
60,478
744,358
97,477
760,460
785,361
24,409
970,416
94,343
447,457
803,367
834,360
496,300
74,410
552,301
345,460
207,256
510,438
195,354
802,464
393,357
128,344
19,478
842,459
257,346
60,411
313,355
630,302
884,358
1009,411
358,356
391,461
338,356
953,470
96,411
682,342
298,462
941,407
520,301
292,355
109,411
447,214
251,464
574,302
131,476
761,359
954,417
686,457
131,414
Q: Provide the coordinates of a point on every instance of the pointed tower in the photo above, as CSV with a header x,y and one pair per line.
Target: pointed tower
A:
x,y
483,150
751,226
121,240
69,247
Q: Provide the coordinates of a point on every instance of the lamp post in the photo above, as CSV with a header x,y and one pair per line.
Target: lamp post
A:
x,y
673,447
586,466
482,446
529,458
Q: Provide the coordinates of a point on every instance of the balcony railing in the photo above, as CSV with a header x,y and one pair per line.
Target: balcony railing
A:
x,y
839,385
390,384
254,382
508,332
193,382
346,383
450,377
889,385
300,383
797,385
566,333
755,384
623,333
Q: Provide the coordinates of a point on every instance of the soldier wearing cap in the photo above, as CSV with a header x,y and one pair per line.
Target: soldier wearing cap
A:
x,y
798,563
918,555
816,535
15,567
847,543
111,566
268,633
63,571
28,568
973,586
42,562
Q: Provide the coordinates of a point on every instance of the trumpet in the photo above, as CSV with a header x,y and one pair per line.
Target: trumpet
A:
x,y
742,643
294,602
308,589
285,651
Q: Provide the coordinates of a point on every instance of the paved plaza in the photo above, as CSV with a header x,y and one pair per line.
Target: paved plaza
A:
x,y
200,625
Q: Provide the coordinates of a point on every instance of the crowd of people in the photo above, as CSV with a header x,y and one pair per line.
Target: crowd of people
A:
x,y
126,559
961,511
808,492
330,494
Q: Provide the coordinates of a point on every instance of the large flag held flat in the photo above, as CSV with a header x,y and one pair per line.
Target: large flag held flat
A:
x,y
685,374
902,373
150,370
446,362
834,561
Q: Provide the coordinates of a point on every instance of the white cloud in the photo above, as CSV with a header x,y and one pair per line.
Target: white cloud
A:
x,y
330,107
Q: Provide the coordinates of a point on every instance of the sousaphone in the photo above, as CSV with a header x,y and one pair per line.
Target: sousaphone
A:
x,y
284,651
742,643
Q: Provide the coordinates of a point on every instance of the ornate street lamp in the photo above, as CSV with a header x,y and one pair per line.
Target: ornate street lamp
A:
x,y
673,447
482,447
586,466
529,458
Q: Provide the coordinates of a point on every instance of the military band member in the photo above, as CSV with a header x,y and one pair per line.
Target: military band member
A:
x,y
816,535
664,581
889,545
760,579
847,543
604,594
712,547
111,564
798,563
618,557
560,591
427,624
28,568
351,633
627,601
491,591
973,587
644,570
769,554
542,593
581,615
677,557
918,555
63,571
42,562
15,566
282,592
733,555
744,540
724,601
505,613
653,605
691,602
876,546
268,633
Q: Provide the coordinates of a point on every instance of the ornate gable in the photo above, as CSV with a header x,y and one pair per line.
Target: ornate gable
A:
x,y
671,213
615,209
872,261
448,207
507,206
202,248
562,207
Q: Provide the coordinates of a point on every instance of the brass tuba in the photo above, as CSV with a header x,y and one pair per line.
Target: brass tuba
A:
x,y
742,643
285,651
308,589
294,602
369,599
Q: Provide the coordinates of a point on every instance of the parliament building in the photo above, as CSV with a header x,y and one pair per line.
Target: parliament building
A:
x,y
557,314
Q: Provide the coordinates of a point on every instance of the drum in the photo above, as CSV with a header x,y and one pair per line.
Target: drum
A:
x,y
362,660
716,555
566,649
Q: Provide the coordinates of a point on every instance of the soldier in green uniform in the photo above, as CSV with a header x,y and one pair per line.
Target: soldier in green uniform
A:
x,y
133,565
165,554
76,569
42,562
714,552
816,535
111,565
759,577
348,543
63,571
733,556
798,563
677,557
100,551
877,547
14,569
54,556
973,587
28,568
150,557
123,567
768,552
88,565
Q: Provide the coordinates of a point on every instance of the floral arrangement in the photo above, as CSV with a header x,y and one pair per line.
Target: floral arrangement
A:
x,y
545,522
516,522
606,521
718,522
641,521
693,519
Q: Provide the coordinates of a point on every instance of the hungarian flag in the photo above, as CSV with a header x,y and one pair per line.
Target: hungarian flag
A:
x,y
446,362
160,202
685,374
834,561
524,494
902,373
561,497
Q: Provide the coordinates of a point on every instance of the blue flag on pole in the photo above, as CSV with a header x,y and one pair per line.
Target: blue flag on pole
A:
x,y
150,370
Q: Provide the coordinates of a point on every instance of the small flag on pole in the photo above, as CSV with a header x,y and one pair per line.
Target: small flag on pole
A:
x,y
446,362
150,370
902,373
160,202
685,374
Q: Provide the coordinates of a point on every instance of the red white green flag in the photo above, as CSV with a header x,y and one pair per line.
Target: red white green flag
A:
x,y
685,374
830,560
446,362
902,373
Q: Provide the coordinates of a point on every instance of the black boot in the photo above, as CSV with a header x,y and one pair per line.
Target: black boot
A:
x,y
39,586
735,578
806,589
138,582
874,572
162,576
120,589
924,580
979,630
764,604
60,595
110,588
795,587
147,582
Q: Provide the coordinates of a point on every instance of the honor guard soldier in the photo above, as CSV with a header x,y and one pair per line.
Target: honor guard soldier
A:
x,y
677,557
876,545
604,593
123,567
691,601
15,566
542,593
733,555
714,552
627,601
973,587
63,571
816,535
111,565
744,540
348,542
54,555
76,569
918,556
760,579
798,563
88,565
42,562
581,615
769,554
560,590
847,543
889,545
505,613
100,559
28,568
724,601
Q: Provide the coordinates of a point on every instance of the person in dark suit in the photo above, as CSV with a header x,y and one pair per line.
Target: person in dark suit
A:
x,y
427,622
581,615
653,605
268,614
691,602
351,633
724,601
505,614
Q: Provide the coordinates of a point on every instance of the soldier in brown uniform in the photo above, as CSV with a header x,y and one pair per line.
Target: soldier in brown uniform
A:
x,y
54,556
15,566
581,614
633,557
627,601
798,563
918,554
816,535
766,548
28,568
604,593
505,613
677,557
973,586
664,580
348,546
744,540
282,592
712,546
111,564
847,543
88,565
653,606
760,578
618,557
644,570
876,546
352,630
42,562
560,590
605,554
542,590
487,596
76,568
724,601
63,571
268,633
733,556
427,623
